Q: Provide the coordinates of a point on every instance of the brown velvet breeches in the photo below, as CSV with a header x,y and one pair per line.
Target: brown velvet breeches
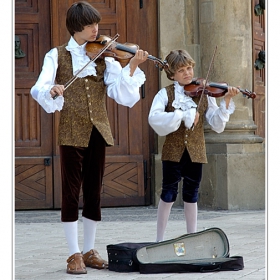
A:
x,y
82,167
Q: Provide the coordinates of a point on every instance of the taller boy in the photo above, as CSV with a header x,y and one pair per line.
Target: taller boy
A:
x,y
84,129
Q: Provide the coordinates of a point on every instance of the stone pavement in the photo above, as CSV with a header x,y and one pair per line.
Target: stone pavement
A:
x,y
40,249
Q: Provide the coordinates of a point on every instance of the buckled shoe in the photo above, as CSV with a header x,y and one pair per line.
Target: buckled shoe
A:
x,y
76,265
94,260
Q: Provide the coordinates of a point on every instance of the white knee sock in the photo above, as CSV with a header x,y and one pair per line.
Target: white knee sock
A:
x,y
89,234
71,234
190,210
163,212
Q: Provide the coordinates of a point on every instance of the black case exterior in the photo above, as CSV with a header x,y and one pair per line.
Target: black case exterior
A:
x,y
208,265
122,256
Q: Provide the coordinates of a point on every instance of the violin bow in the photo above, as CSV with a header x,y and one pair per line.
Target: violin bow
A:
x,y
206,79
91,60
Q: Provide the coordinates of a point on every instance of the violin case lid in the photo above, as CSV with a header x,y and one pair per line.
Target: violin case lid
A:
x,y
203,251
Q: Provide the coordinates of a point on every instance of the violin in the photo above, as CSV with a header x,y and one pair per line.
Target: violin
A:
x,y
120,52
92,59
107,46
195,88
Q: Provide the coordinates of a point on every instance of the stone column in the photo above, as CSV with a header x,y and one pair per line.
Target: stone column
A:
x,y
234,177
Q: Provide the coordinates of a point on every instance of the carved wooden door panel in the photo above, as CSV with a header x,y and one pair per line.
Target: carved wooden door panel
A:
x,y
258,24
33,126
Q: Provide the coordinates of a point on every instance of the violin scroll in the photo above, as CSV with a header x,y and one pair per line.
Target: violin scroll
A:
x,y
248,93
159,63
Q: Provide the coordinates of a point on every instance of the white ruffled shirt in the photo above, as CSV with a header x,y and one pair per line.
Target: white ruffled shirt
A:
x,y
121,87
164,123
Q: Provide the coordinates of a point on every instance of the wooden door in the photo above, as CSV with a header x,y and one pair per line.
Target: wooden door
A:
x,y
127,179
33,126
258,27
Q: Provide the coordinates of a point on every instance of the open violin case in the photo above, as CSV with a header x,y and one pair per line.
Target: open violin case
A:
x,y
204,251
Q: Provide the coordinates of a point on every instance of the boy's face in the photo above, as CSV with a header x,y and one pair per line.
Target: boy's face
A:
x,y
184,75
89,33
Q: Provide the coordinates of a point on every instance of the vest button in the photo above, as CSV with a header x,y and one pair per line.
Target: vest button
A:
x,y
186,142
87,88
88,95
89,103
86,80
91,119
90,111
186,135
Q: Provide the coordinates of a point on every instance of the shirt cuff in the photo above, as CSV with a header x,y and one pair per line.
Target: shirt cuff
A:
x,y
230,109
49,104
189,117
138,78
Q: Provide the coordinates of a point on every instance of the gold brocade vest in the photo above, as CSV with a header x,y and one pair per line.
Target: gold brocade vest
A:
x,y
193,140
84,104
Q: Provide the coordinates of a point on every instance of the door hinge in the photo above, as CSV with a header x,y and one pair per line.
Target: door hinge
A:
x,y
47,161
145,174
143,91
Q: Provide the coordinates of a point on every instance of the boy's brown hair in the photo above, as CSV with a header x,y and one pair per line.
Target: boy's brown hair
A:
x,y
176,59
79,15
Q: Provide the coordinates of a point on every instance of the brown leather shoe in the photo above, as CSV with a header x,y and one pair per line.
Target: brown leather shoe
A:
x,y
76,264
94,260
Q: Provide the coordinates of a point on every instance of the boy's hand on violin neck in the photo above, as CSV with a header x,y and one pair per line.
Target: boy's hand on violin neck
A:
x,y
139,57
232,91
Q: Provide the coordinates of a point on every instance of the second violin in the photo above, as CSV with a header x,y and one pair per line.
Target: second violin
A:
x,y
195,88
